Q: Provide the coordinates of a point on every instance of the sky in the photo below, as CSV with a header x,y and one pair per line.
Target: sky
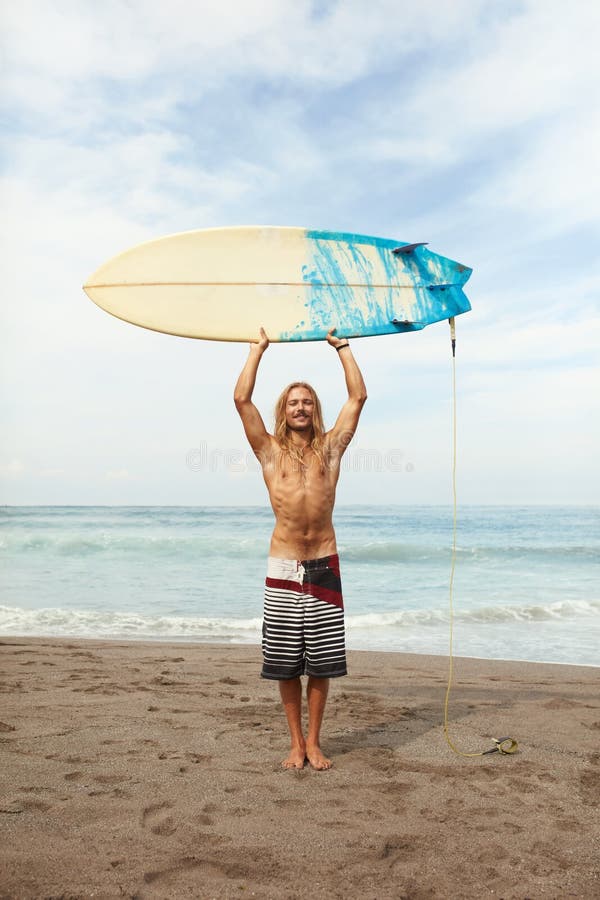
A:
x,y
472,125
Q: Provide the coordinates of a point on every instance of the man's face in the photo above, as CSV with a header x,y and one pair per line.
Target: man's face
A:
x,y
299,409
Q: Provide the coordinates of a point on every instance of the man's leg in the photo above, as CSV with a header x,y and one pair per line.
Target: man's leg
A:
x,y
291,697
316,691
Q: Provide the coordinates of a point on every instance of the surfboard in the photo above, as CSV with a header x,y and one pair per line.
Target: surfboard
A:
x,y
223,284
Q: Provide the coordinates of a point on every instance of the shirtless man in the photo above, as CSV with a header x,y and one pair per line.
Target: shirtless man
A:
x,y
303,627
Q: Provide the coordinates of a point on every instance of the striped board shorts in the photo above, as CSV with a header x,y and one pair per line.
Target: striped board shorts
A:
x,y
303,625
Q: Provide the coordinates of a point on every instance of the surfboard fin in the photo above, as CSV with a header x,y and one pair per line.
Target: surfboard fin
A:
x,y
408,248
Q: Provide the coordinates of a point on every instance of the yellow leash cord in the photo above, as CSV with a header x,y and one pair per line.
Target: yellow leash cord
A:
x,y
504,745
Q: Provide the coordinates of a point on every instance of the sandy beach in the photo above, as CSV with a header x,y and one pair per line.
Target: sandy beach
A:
x,y
153,770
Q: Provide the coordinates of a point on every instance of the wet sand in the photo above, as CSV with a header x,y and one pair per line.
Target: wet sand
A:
x,y
153,770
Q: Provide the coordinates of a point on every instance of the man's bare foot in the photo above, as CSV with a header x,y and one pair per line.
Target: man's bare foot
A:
x,y
317,759
296,759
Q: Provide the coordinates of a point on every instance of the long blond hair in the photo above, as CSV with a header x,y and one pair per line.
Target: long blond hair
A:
x,y
282,432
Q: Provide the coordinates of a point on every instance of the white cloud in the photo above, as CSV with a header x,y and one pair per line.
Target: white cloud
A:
x,y
554,178
522,69
518,69
269,37
118,475
521,103
13,468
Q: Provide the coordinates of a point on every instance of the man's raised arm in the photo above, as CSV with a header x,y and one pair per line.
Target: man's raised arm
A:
x,y
258,437
347,421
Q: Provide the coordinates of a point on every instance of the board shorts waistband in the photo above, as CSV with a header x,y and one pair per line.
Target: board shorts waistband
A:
x,y
296,569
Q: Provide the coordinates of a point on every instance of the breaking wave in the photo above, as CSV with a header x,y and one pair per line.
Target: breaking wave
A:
x,y
85,623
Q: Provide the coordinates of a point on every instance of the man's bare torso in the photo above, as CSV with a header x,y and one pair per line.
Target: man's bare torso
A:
x,y
302,496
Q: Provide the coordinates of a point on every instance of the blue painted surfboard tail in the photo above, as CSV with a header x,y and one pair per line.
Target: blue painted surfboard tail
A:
x,y
358,284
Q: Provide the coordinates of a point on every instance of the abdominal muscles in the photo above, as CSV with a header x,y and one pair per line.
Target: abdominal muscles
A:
x,y
302,497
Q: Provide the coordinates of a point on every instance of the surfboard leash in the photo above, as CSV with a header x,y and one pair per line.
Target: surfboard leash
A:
x,y
503,745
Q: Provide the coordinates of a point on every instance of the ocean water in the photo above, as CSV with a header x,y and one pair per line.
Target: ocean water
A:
x,y
526,585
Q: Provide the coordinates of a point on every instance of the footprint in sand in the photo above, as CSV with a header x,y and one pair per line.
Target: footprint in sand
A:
x,y
198,757
111,779
206,817
156,818
561,703
183,872
590,786
37,805
176,871
396,849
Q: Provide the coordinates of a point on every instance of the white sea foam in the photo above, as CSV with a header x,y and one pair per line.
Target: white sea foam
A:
x,y
86,623
563,609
